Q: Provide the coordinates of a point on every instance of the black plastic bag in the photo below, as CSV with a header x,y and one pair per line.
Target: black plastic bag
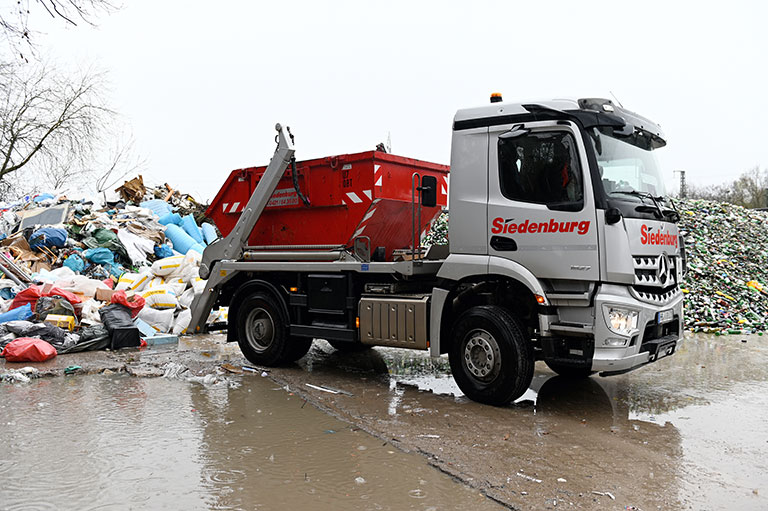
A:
x,y
54,305
122,331
92,338
50,333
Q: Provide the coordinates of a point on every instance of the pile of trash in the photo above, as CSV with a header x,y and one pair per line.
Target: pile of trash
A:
x,y
726,285
438,231
77,275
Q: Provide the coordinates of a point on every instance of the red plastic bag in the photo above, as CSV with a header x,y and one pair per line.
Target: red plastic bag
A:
x,y
28,349
109,282
134,304
27,296
34,292
68,296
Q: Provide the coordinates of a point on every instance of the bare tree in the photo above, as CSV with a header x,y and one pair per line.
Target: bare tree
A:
x,y
49,124
121,160
15,16
749,190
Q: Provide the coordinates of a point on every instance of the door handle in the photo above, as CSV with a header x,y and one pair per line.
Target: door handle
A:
x,y
503,244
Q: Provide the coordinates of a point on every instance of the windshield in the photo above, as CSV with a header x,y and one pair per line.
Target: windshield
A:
x,y
626,168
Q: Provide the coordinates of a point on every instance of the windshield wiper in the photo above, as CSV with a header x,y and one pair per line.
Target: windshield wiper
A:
x,y
671,214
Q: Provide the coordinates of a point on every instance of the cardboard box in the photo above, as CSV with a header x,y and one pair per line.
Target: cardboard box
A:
x,y
103,295
61,321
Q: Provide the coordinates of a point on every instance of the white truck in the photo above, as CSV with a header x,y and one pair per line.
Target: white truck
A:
x,y
563,248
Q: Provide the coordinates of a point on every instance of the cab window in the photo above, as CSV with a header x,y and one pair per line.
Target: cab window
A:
x,y
541,168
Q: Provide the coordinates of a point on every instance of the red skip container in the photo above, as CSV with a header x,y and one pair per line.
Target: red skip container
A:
x,y
351,195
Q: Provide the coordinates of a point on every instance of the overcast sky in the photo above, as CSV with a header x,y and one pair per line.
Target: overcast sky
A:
x,y
203,83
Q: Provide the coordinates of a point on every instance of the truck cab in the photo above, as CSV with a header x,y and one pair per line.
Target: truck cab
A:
x,y
559,211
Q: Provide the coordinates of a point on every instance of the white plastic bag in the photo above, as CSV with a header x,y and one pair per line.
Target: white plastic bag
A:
x,y
154,282
198,285
161,297
167,266
82,285
89,315
176,284
189,274
182,322
160,320
134,281
186,298
136,246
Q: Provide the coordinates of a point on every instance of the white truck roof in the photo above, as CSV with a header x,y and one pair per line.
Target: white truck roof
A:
x,y
505,108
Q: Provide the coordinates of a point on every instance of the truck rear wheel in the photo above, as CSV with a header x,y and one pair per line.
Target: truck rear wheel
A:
x,y
262,334
570,371
491,358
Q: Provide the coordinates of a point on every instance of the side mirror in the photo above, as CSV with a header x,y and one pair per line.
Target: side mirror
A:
x,y
428,191
612,216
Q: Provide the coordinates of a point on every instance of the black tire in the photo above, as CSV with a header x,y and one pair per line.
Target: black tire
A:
x,y
575,373
262,334
491,357
349,347
298,347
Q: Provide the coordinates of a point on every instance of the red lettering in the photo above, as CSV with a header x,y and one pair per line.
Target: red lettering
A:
x,y
498,226
657,238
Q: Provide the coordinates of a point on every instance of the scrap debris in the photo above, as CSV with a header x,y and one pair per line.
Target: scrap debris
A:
x,y
87,275
727,267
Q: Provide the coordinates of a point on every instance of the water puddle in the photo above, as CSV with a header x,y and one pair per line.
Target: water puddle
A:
x,y
706,408
123,442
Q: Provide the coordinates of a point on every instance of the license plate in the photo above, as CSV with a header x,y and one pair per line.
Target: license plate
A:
x,y
664,316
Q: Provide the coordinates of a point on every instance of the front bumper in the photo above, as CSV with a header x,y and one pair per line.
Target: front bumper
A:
x,y
650,342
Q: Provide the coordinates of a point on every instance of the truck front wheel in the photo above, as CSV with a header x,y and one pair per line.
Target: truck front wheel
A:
x,y
491,358
262,334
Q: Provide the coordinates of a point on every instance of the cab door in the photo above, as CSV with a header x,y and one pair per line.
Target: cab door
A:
x,y
541,209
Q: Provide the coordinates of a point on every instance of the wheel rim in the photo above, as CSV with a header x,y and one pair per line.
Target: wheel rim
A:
x,y
482,357
259,329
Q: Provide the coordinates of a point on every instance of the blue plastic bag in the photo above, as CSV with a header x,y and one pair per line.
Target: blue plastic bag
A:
x,y
102,256
48,237
163,251
170,218
182,241
209,233
157,206
19,313
190,226
75,263
7,293
42,197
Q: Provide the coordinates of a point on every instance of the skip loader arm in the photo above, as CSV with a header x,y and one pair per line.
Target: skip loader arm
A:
x,y
231,247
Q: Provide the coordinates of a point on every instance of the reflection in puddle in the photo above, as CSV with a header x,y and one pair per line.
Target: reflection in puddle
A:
x,y
707,405
120,442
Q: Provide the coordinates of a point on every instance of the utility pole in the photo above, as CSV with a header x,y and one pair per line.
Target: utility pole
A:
x,y
683,188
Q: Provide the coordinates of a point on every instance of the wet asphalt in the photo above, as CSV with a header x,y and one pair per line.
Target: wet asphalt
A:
x,y
687,432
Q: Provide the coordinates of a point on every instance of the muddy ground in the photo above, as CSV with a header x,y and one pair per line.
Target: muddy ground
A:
x,y
684,433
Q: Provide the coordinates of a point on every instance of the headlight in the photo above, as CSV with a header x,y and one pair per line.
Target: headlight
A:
x,y
622,321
